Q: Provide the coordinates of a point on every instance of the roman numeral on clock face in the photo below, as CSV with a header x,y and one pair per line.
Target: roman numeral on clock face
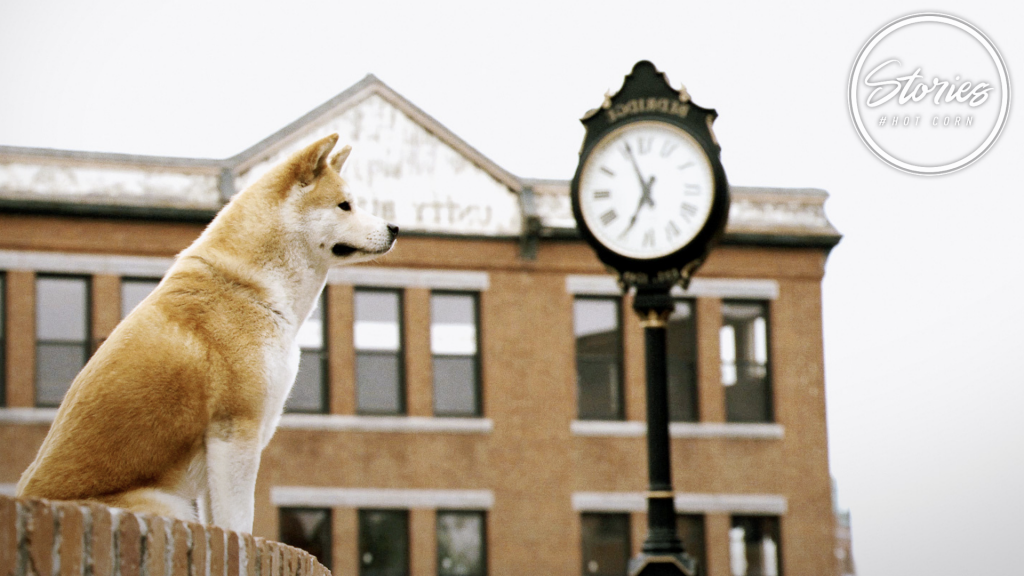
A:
x,y
671,230
688,211
691,189
649,240
608,217
607,171
602,194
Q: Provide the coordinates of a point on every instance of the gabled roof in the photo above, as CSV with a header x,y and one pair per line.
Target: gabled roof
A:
x,y
10,154
368,86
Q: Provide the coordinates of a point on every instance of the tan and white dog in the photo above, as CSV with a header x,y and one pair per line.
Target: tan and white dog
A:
x,y
172,412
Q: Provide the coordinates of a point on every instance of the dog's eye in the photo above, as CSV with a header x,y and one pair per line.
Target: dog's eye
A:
x,y
345,206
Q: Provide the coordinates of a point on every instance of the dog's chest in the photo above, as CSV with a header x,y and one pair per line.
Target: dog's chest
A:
x,y
282,362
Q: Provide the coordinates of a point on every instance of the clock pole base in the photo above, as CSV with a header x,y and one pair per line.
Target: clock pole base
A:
x,y
645,564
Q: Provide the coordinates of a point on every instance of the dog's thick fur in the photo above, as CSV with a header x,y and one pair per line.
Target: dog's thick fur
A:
x,y
172,412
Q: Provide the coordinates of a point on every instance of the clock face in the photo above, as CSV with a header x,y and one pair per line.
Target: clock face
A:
x,y
646,189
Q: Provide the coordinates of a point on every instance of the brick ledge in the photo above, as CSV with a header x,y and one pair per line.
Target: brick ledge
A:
x,y
86,538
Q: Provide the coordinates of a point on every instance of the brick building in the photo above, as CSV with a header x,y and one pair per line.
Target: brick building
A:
x,y
473,403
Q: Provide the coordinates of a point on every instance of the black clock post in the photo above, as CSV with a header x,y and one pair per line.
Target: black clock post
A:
x,y
663,552
668,168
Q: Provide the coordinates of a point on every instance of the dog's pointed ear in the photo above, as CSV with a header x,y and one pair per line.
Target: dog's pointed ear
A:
x,y
311,160
339,158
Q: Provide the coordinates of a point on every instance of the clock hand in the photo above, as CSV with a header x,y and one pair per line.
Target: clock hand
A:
x,y
645,198
644,187
636,168
646,193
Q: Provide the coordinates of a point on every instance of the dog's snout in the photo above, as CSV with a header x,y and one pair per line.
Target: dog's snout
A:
x,y
393,230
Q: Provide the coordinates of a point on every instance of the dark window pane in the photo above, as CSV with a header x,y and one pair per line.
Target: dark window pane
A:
x,y
598,389
378,378
682,363
455,390
691,533
383,543
754,546
743,344
598,359
606,546
62,328
133,292
453,342
308,393
461,544
308,529
377,332
61,309
57,364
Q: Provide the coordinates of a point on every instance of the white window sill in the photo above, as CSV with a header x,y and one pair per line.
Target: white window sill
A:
x,y
633,429
346,423
326,497
27,415
323,422
687,503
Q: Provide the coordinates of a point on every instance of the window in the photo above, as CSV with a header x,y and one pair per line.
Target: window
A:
x,y
754,546
454,343
308,529
383,542
691,532
743,341
606,546
598,358
682,363
62,335
378,342
133,292
461,544
309,394
3,345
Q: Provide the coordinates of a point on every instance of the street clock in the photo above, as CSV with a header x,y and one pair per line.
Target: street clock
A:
x,y
650,193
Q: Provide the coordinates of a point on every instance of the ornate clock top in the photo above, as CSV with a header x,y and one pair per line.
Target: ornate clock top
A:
x,y
645,89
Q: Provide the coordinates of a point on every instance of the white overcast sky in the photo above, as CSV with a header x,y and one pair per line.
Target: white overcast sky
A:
x,y
924,316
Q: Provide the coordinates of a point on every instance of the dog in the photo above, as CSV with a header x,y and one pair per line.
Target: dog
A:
x,y
172,412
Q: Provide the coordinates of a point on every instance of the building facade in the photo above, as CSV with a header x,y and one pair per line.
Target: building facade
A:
x,y
473,403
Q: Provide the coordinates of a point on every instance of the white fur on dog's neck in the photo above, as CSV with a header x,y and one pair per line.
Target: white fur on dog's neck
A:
x,y
292,278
